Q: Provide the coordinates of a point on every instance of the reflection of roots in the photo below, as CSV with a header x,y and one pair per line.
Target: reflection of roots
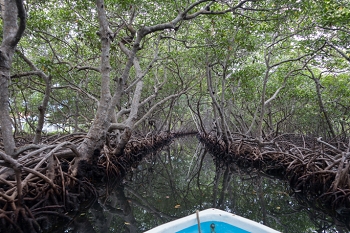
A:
x,y
313,168
135,150
38,189
47,194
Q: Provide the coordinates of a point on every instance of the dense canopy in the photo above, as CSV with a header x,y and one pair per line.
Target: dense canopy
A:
x,y
111,70
258,67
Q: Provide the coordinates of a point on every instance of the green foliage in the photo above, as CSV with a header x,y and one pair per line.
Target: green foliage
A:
x,y
335,12
264,41
61,36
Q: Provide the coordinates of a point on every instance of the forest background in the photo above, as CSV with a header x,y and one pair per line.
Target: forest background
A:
x,y
258,68
124,68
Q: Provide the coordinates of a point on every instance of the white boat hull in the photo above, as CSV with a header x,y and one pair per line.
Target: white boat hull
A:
x,y
212,215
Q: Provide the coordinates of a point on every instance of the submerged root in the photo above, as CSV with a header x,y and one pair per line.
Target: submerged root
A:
x,y
318,170
37,189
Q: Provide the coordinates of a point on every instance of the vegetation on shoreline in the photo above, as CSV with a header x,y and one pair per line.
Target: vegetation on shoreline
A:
x,y
107,72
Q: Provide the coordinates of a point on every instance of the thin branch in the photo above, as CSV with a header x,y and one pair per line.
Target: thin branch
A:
x,y
144,117
339,51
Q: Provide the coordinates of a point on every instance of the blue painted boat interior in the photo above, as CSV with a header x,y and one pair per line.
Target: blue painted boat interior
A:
x,y
218,227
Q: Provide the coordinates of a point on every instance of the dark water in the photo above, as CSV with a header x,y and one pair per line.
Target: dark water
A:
x,y
183,178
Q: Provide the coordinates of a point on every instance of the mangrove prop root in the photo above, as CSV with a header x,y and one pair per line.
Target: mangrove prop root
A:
x,y
320,171
34,189
37,189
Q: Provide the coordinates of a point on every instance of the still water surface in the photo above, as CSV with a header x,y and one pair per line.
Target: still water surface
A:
x,y
183,178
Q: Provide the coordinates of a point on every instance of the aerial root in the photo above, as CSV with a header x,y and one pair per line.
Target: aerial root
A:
x,y
38,189
34,190
320,171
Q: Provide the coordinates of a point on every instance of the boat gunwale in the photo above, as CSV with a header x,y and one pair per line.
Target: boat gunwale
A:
x,y
213,214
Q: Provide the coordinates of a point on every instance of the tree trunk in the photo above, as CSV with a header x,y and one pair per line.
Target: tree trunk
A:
x,y
12,33
263,97
97,132
45,102
320,103
322,107
108,103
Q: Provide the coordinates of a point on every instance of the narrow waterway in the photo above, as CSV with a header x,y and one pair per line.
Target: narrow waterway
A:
x,y
183,178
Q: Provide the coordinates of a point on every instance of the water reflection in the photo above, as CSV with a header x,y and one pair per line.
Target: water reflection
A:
x,y
182,178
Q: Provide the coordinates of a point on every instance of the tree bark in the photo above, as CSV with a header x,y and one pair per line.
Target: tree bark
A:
x,y
45,102
97,132
320,102
12,33
108,102
223,125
